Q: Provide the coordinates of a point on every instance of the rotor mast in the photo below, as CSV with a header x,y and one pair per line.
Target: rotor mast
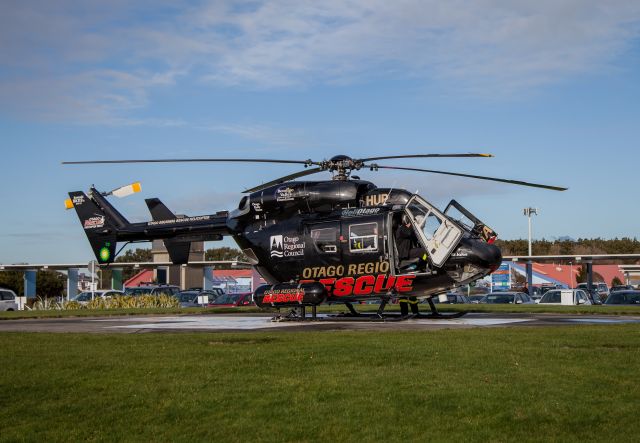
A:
x,y
341,166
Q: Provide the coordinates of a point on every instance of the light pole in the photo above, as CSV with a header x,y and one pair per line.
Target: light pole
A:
x,y
528,212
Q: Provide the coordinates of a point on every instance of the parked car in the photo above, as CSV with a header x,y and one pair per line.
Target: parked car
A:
x,y
217,291
507,298
189,299
137,291
8,300
569,297
233,300
85,297
621,288
451,298
602,288
475,298
623,298
594,296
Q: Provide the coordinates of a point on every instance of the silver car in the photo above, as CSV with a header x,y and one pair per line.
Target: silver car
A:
x,y
8,300
501,297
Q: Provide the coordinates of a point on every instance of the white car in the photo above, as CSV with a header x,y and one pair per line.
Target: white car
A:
x,y
8,300
567,297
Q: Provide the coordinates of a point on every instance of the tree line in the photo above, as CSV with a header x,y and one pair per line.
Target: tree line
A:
x,y
581,246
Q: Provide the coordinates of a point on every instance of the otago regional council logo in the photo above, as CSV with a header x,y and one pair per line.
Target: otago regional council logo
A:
x,y
276,246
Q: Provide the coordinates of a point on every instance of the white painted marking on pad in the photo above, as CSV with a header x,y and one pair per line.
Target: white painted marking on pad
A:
x,y
476,321
602,320
205,323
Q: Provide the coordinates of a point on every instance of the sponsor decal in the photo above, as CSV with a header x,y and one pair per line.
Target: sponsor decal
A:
x,y
284,194
104,254
78,200
366,284
360,211
285,246
460,254
295,295
179,220
94,222
375,200
257,207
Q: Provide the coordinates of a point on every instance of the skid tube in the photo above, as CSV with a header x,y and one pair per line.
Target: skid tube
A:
x,y
299,314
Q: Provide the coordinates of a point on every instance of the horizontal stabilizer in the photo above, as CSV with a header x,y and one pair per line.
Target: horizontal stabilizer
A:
x,y
158,210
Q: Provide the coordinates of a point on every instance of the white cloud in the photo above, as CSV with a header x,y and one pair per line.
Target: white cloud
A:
x,y
94,62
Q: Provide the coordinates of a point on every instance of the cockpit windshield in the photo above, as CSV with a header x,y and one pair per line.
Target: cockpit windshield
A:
x,y
437,234
426,220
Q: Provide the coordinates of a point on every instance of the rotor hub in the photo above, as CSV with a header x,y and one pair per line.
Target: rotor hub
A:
x,y
341,166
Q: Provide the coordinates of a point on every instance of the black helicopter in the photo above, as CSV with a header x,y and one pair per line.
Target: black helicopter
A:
x,y
332,241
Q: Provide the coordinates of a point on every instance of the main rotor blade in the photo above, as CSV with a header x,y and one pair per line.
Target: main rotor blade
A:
x,y
480,177
286,178
426,156
193,160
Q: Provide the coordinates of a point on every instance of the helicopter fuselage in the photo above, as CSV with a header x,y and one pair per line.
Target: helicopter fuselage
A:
x,y
343,235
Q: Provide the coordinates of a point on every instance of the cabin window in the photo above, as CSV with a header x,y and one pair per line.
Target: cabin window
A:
x,y
325,240
363,237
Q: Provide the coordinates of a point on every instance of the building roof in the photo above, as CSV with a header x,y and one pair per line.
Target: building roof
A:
x,y
567,274
234,273
144,276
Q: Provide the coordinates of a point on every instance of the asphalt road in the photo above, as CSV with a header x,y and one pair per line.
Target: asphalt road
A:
x,y
244,322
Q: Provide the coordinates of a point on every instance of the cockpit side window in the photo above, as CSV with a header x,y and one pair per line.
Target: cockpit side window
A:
x,y
325,240
363,238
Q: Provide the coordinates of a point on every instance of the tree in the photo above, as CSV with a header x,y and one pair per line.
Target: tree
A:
x,y
50,284
616,281
13,280
139,255
581,276
224,253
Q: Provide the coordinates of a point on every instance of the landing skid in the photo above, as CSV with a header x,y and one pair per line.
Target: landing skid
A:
x,y
299,314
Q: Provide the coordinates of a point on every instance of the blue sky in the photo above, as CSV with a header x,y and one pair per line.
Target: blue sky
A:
x,y
551,88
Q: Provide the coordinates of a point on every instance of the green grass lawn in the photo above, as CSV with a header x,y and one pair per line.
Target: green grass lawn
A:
x,y
482,384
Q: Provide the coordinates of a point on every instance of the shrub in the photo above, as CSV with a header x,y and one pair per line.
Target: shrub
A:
x,y
117,302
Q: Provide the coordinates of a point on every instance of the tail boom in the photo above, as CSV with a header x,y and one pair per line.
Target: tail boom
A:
x,y
105,227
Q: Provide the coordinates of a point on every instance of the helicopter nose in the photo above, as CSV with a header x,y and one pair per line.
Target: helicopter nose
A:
x,y
489,256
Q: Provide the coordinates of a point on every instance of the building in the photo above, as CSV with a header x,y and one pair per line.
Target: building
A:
x,y
183,276
237,280
564,275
